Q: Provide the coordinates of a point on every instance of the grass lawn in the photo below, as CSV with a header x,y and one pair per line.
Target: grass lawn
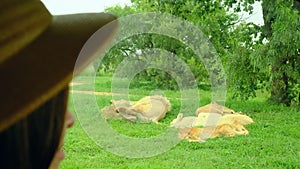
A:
x,y
274,140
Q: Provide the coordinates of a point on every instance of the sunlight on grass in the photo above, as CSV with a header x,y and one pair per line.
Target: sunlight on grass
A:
x,y
273,141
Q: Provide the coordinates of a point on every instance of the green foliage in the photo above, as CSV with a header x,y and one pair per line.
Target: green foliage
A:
x,y
164,76
280,55
255,57
240,5
286,41
245,78
272,61
209,16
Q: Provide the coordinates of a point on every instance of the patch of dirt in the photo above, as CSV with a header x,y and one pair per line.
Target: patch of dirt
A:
x,y
92,92
76,83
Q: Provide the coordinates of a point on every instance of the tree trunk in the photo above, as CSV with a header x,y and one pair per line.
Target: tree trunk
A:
x,y
280,85
280,80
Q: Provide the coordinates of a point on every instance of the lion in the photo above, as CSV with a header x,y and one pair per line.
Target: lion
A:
x,y
203,119
148,109
242,119
226,130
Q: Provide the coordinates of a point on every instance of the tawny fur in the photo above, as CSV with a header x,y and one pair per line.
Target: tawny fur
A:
x,y
208,119
154,107
222,130
150,108
242,119
214,107
147,109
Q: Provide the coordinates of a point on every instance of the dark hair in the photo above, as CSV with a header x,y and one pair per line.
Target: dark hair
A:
x,y
32,142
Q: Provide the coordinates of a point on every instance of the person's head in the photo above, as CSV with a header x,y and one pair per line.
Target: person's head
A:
x,y
38,53
33,141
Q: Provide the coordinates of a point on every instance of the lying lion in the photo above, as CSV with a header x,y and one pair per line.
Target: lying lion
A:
x,y
242,119
148,109
225,130
202,119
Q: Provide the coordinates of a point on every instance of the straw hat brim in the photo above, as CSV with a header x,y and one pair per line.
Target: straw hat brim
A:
x,y
46,65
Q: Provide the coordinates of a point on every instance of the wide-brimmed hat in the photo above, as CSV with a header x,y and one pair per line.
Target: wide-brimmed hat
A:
x,y
38,53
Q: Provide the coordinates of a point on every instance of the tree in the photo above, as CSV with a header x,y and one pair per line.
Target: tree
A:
x,y
275,58
210,16
255,57
282,25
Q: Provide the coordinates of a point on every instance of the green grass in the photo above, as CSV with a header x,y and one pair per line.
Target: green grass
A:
x,y
274,140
